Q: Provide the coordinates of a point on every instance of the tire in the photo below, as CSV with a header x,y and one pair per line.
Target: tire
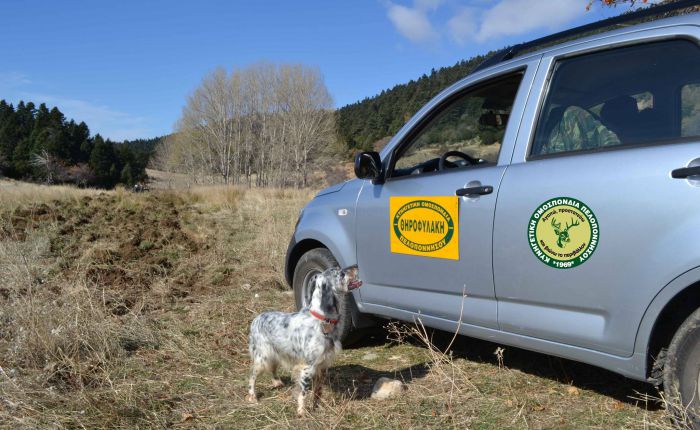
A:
x,y
315,261
681,374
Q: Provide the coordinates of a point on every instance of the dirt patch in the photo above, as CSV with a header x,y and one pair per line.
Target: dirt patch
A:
x,y
120,245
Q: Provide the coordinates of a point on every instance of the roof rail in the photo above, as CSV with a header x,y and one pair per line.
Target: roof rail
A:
x,y
511,51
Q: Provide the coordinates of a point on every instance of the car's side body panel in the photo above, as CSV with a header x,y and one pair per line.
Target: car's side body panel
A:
x,y
649,228
632,367
609,324
614,292
435,286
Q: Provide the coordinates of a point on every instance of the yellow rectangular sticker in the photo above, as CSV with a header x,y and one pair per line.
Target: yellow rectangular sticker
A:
x,y
426,226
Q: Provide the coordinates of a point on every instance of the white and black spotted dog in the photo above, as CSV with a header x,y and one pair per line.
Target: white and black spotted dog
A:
x,y
308,339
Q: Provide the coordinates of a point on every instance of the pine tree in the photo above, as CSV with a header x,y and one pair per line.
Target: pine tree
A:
x,y
102,162
8,138
36,143
126,177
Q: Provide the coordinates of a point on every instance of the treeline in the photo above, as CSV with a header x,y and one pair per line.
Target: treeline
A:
x,y
41,145
362,124
144,147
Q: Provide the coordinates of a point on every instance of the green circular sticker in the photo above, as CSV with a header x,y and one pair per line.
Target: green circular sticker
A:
x,y
563,232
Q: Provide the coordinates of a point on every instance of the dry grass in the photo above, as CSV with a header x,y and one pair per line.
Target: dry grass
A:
x,y
16,193
123,310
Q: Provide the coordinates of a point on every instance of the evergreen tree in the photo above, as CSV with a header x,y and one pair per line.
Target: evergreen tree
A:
x,y
38,143
102,162
8,138
126,177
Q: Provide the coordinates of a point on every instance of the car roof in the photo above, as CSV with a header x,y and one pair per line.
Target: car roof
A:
x,y
687,19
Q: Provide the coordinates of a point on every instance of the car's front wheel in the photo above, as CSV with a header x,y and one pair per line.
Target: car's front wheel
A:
x,y
311,263
682,373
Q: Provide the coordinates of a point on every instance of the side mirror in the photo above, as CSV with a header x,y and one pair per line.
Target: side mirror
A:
x,y
368,165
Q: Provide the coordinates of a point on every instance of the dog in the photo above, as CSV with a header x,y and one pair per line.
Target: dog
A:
x,y
308,339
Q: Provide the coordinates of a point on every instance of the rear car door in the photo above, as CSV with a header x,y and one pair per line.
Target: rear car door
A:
x,y
590,222
413,258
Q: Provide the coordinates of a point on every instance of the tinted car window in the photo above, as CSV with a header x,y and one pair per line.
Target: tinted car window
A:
x,y
690,110
626,96
473,124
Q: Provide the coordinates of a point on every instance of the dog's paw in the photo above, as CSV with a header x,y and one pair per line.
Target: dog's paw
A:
x,y
277,383
252,398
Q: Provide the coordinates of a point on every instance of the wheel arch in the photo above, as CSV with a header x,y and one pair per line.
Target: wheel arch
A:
x,y
669,309
296,250
343,251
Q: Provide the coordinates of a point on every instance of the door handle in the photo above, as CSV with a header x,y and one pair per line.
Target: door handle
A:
x,y
474,191
684,172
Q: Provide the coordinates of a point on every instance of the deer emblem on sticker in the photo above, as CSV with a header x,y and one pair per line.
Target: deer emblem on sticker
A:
x,y
563,235
567,247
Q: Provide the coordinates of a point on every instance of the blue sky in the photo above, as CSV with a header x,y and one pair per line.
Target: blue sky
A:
x,y
125,67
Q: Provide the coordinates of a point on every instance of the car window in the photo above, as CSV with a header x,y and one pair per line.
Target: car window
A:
x,y
474,124
626,96
690,110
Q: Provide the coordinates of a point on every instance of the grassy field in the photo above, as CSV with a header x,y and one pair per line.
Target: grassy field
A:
x,y
121,310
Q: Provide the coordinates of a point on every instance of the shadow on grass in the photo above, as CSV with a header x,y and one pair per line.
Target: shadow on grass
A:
x,y
568,372
356,381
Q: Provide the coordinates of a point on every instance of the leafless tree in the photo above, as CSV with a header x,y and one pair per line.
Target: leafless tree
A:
x,y
263,125
48,164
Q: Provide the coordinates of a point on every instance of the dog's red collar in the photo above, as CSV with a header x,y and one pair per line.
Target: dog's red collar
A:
x,y
323,318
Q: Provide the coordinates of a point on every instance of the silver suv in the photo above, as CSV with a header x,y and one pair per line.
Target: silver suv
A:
x,y
549,201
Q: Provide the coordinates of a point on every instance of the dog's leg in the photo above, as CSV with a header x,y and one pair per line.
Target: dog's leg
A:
x,y
305,379
254,372
318,384
276,381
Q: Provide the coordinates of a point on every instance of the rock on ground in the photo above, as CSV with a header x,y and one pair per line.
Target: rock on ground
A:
x,y
386,388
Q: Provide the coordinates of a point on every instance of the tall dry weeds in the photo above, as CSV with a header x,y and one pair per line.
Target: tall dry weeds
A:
x,y
14,194
192,268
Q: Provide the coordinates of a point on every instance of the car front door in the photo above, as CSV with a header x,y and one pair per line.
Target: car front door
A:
x,y
591,222
420,246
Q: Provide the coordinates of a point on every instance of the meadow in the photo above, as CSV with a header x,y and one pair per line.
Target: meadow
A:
x,y
125,310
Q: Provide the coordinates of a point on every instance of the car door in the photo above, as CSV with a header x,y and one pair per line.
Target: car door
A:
x,y
591,222
410,261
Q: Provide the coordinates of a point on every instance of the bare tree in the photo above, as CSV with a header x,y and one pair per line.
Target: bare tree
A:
x,y
48,164
311,120
263,125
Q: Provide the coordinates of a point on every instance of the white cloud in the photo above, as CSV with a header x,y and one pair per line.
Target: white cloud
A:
x,y
462,26
480,20
12,80
427,4
515,17
413,23
101,119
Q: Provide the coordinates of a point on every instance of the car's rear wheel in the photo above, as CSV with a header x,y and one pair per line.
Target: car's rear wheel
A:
x,y
682,373
311,263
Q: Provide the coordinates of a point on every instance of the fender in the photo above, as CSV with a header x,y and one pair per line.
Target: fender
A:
x,y
651,315
328,220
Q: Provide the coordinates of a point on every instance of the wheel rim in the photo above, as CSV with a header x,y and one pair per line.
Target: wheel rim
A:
x,y
308,287
698,386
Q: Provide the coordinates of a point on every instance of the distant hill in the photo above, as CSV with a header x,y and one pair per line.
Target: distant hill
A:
x,y
362,124
365,125
144,146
